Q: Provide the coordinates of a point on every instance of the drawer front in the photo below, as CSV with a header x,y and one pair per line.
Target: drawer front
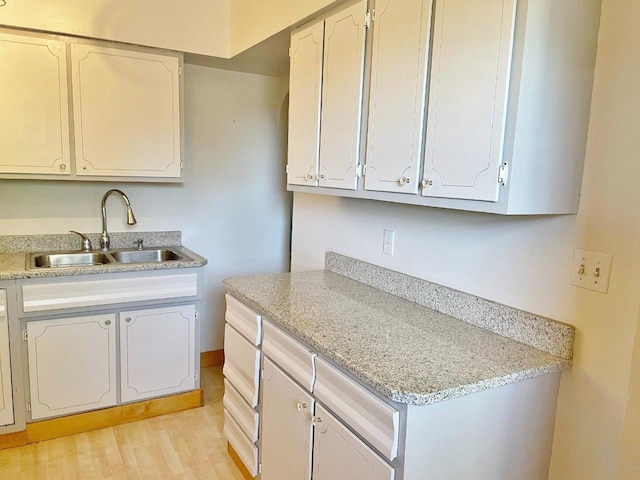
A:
x,y
56,296
244,320
376,421
334,446
245,416
241,365
245,449
293,357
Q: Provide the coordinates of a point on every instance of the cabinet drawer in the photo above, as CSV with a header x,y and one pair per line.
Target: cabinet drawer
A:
x,y
375,420
245,416
289,354
334,446
244,320
241,365
246,450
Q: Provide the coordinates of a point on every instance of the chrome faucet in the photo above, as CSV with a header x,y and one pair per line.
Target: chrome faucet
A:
x,y
86,243
131,219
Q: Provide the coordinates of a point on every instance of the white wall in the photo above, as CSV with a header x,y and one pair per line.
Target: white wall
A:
x,y
196,26
525,262
232,208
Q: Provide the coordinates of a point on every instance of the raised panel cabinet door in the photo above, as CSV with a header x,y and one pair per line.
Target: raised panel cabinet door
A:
x,y
157,352
126,110
400,52
6,386
72,364
472,45
286,427
305,89
339,455
342,77
34,106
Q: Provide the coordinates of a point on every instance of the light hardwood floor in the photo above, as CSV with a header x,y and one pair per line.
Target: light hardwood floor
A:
x,y
185,445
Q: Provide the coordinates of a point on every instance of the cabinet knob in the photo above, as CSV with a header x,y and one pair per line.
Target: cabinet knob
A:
x,y
426,183
316,421
301,406
107,322
321,177
404,181
128,319
63,167
308,177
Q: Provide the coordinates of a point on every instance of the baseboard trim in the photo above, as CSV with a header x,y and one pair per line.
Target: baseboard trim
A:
x,y
11,440
236,459
212,358
110,417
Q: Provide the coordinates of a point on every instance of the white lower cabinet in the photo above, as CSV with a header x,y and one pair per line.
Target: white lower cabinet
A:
x,y
157,354
72,364
287,412
6,393
339,454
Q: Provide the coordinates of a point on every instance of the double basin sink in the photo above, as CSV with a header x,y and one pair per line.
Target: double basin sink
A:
x,y
97,258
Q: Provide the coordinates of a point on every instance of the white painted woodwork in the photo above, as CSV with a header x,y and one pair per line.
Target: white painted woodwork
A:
x,y
374,419
245,449
34,106
305,89
468,94
126,108
241,365
401,30
243,319
287,430
72,364
338,453
245,416
157,352
56,295
503,433
292,356
6,385
342,85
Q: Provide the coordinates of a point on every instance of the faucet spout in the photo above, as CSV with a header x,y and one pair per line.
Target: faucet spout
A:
x,y
131,219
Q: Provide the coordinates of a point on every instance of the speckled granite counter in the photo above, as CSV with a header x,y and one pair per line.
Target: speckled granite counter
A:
x,y
406,352
13,251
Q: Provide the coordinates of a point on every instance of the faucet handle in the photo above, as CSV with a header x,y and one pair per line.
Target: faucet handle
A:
x,y
86,243
139,243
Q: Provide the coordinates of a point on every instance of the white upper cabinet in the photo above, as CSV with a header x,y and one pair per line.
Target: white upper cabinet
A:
x,y
472,50
6,386
401,30
342,77
305,89
126,108
34,109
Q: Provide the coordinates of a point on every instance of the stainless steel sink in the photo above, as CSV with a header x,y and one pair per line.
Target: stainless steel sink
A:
x,y
68,259
147,255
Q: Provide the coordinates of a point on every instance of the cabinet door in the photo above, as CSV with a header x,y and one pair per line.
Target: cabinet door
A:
x,y
342,77
6,389
126,110
339,454
157,352
472,45
286,427
34,108
305,88
401,31
72,364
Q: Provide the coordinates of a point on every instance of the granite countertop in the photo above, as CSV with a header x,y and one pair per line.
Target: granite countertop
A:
x,y
15,249
406,352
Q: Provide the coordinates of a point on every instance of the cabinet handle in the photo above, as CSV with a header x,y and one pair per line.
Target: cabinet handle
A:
x,y
107,322
301,406
128,319
404,181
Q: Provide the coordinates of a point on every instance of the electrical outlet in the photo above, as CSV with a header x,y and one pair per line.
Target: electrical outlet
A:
x,y
387,242
591,270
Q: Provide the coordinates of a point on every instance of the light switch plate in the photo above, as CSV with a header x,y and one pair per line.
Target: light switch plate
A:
x,y
388,241
591,270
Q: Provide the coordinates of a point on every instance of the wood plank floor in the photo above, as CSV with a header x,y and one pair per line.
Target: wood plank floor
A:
x,y
185,445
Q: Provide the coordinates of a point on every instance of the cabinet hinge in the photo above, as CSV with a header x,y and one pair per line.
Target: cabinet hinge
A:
x,y
29,406
289,52
364,169
367,19
260,468
196,315
286,169
262,373
359,170
25,336
503,174
180,70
